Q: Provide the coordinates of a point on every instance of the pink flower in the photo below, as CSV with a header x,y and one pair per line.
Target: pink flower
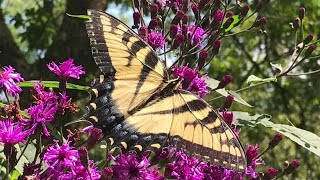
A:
x,y
8,78
66,70
156,39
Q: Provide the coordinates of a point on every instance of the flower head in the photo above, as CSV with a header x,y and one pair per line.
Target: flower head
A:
x,y
40,114
11,133
8,78
228,117
40,95
80,172
275,140
252,152
59,157
129,166
66,70
199,34
156,39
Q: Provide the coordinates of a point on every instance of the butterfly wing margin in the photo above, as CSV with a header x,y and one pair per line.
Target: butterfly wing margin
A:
x,y
125,59
203,133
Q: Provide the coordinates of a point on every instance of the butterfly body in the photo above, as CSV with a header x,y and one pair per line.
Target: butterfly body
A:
x,y
139,108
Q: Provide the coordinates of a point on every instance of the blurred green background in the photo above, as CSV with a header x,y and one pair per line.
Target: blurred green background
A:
x,y
35,32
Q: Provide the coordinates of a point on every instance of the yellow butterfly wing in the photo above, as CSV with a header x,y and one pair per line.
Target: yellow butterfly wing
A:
x,y
129,106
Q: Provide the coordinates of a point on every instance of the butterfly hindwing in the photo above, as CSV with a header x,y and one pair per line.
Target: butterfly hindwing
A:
x,y
128,62
203,133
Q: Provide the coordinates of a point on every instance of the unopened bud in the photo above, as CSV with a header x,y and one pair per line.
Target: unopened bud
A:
x,y
136,19
302,12
296,23
153,24
203,55
173,31
309,51
229,14
275,140
83,154
195,9
94,137
228,23
260,22
143,32
308,39
106,173
217,19
224,82
216,47
154,10
228,101
177,17
185,19
245,10
270,174
177,41
294,164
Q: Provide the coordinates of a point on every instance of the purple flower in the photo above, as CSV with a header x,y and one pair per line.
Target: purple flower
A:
x,y
40,95
199,34
94,137
40,114
66,70
190,81
156,40
11,133
57,158
228,117
7,78
129,166
252,152
177,3
79,172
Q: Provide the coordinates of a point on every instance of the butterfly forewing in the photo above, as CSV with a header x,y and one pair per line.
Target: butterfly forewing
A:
x,y
130,106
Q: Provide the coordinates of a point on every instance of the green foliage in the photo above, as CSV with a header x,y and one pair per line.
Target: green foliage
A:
x,y
54,84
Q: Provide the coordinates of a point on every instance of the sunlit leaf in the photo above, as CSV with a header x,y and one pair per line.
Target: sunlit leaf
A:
x,y
78,16
306,139
278,66
254,79
15,174
213,83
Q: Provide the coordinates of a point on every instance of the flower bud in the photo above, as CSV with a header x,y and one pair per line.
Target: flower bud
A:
x,y
153,24
294,164
270,174
224,82
169,169
275,140
308,39
217,19
228,102
106,173
161,7
173,31
195,9
229,14
136,19
296,23
309,51
143,32
203,55
94,137
302,12
203,3
185,19
177,17
216,47
177,41
83,154
228,23
154,10
245,10
260,22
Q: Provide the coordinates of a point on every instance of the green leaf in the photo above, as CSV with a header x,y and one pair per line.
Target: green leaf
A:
x,y
15,175
306,139
78,16
254,79
213,83
235,20
278,66
54,84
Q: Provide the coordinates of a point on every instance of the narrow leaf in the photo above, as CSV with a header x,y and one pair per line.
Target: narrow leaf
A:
x,y
78,16
54,84
278,66
213,83
254,79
